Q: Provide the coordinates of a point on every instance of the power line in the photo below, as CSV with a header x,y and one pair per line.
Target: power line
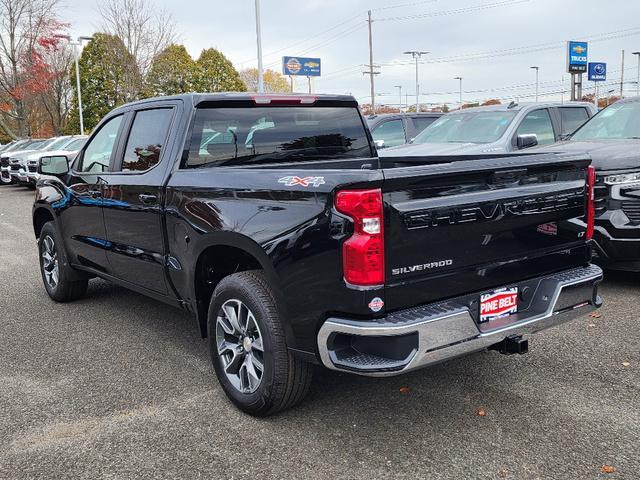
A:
x,y
442,13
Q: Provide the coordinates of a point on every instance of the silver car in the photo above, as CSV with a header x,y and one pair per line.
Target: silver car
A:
x,y
496,129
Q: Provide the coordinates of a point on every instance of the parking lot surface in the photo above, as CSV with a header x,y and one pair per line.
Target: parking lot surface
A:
x,y
121,386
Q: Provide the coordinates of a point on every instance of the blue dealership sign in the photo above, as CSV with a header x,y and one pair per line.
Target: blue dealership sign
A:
x,y
303,66
597,71
577,53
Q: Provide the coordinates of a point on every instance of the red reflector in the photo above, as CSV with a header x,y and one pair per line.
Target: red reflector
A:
x,y
591,201
363,252
284,99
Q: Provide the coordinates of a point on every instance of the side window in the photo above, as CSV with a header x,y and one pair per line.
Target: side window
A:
x,y
392,132
571,118
420,123
98,152
539,123
146,139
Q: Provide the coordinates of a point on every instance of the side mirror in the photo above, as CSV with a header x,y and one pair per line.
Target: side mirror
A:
x,y
57,165
527,141
379,143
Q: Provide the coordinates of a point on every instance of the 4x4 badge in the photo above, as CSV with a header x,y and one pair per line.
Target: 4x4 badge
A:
x,y
292,181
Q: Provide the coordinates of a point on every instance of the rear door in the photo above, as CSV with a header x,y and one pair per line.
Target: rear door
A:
x,y
470,226
132,198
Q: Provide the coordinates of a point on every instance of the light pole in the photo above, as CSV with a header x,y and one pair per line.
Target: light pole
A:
x,y
460,79
399,87
259,41
416,55
537,69
638,78
76,54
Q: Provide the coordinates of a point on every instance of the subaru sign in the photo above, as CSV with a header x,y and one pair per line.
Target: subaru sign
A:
x,y
577,57
303,66
597,71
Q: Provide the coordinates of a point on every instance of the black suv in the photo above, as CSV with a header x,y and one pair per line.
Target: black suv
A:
x,y
612,139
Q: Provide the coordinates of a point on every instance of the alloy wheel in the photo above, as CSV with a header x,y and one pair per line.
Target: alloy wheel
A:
x,y
240,346
50,267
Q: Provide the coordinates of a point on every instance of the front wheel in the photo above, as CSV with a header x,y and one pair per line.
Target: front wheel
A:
x,y
61,281
249,350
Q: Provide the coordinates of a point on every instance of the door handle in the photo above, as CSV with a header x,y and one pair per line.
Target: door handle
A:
x,y
95,193
148,199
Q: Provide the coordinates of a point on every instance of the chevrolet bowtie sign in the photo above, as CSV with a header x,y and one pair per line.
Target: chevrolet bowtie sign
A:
x,y
577,57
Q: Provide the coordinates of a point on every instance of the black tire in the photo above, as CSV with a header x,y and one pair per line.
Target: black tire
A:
x,y
285,379
71,284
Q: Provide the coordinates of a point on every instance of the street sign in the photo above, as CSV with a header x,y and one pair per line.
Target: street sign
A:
x,y
597,71
577,57
302,66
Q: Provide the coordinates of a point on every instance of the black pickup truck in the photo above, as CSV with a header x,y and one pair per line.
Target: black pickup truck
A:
x,y
272,220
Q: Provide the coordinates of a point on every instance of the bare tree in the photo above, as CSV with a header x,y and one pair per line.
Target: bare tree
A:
x,y
56,99
145,29
22,23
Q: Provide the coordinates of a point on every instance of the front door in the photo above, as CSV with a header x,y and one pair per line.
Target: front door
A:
x,y
81,209
132,202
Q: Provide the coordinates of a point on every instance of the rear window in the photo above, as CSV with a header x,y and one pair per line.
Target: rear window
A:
x,y
244,136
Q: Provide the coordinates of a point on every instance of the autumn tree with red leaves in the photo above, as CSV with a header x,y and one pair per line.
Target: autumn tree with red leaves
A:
x,y
31,62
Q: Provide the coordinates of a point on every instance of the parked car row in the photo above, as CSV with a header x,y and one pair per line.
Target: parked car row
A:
x,y
19,160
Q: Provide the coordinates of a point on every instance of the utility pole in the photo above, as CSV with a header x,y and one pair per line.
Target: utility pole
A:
x,y
638,76
537,69
371,72
399,87
259,42
460,79
622,77
562,90
416,55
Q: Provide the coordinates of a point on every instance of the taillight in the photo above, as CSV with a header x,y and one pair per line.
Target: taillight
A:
x,y
591,201
363,252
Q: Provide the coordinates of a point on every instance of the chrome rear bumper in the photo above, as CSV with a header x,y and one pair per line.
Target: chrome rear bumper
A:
x,y
430,334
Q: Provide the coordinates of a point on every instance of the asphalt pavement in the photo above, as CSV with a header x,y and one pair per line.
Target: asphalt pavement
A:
x,y
120,386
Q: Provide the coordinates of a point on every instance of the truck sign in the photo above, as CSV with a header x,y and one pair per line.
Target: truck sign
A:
x,y
577,53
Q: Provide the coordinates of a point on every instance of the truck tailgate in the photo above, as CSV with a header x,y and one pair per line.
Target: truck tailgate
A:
x,y
472,225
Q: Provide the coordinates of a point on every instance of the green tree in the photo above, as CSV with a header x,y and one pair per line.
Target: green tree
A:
x,y
172,72
215,73
108,78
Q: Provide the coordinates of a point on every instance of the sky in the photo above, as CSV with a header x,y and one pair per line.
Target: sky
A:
x,y
491,44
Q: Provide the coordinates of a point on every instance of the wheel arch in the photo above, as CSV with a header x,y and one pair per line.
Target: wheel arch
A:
x,y
41,215
224,255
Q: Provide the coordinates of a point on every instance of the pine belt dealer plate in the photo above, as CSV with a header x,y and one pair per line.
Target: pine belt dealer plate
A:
x,y
498,304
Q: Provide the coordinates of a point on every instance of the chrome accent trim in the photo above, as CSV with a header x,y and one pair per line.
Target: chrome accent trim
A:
x,y
455,333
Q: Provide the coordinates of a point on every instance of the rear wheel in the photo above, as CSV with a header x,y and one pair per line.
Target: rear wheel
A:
x,y
61,281
248,347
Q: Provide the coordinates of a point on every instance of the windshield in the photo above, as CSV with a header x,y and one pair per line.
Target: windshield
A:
x,y
467,127
618,121
56,143
75,145
240,136
33,145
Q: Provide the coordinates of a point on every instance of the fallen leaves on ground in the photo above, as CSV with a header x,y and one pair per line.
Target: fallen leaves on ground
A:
x,y
626,364
480,412
405,390
607,469
595,315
